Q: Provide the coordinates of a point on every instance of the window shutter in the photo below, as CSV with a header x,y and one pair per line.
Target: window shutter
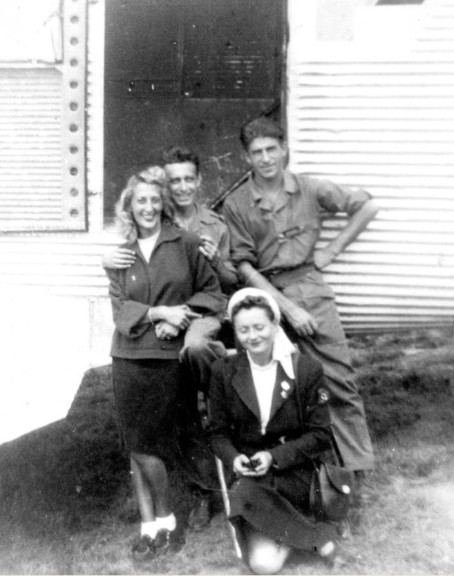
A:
x,y
42,136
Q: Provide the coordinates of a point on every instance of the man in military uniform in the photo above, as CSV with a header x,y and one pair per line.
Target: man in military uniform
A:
x,y
182,169
275,220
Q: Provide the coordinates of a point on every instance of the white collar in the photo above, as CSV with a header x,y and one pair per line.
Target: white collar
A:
x,y
282,353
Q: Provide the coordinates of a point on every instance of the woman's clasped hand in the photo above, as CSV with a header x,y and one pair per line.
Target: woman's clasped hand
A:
x,y
257,465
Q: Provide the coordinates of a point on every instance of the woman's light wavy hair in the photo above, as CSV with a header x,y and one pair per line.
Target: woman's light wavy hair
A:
x,y
125,221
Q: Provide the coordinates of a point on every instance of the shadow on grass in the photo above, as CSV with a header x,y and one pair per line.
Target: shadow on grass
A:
x,y
66,502
66,469
72,476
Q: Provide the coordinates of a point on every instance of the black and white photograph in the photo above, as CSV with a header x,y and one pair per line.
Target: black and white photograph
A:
x,y
227,287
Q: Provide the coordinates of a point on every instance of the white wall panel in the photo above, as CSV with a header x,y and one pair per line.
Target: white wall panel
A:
x,y
30,146
385,122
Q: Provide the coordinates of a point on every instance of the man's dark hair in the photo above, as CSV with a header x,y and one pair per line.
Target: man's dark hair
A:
x,y
261,127
178,155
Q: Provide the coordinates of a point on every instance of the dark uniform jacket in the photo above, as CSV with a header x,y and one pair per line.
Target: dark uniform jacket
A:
x,y
235,416
176,274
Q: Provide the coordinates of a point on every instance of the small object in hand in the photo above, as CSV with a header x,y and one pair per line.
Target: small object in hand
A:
x,y
254,463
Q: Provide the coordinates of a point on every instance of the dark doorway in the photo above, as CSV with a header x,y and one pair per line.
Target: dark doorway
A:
x,y
188,72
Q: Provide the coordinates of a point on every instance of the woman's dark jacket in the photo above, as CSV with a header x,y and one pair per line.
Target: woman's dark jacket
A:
x,y
176,274
235,416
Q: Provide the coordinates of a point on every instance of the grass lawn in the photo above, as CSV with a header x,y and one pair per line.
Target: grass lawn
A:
x,y
66,505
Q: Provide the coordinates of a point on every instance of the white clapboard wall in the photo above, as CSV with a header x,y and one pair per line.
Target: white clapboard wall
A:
x,y
384,122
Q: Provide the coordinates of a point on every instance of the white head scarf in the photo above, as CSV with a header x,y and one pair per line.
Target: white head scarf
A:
x,y
283,348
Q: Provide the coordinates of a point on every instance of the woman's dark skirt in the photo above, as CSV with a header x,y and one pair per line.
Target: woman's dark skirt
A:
x,y
147,398
278,506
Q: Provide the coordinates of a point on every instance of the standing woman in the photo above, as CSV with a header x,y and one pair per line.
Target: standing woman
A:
x,y
154,301
269,421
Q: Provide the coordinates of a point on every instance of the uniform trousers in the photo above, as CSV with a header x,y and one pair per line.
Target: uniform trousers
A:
x,y
200,350
305,287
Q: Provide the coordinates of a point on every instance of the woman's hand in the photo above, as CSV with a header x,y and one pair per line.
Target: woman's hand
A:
x,y
209,248
257,465
166,331
119,258
262,462
179,316
242,466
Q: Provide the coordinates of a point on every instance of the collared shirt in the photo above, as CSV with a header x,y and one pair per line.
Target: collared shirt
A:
x,y
209,223
264,377
282,234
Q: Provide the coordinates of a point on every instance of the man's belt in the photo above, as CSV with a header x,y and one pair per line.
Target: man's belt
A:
x,y
286,276
303,268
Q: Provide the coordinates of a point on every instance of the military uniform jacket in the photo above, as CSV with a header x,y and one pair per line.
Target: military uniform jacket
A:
x,y
208,223
235,417
278,235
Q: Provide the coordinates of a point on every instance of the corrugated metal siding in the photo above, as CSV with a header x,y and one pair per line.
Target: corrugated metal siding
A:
x,y
387,126
42,137
70,264
30,147
64,265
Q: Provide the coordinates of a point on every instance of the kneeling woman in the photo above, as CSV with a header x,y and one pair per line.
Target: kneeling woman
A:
x,y
154,301
268,422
